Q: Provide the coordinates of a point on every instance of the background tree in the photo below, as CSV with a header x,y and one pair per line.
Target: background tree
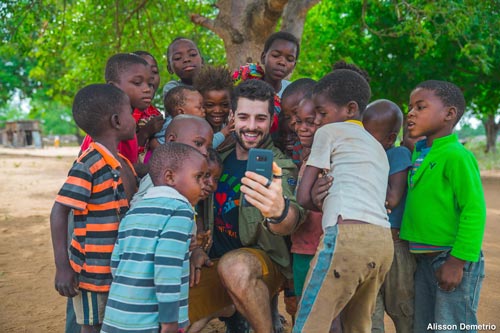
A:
x,y
244,25
51,49
403,43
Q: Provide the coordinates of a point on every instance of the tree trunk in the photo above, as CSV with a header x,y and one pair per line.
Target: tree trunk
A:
x,y
244,25
294,16
491,133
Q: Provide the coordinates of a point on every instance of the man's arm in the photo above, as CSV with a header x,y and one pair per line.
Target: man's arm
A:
x,y
65,280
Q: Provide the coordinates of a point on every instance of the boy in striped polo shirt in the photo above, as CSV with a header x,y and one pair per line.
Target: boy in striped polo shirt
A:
x,y
97,190
150,262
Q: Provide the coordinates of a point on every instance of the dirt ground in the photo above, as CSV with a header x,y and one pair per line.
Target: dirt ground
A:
x,y
28,301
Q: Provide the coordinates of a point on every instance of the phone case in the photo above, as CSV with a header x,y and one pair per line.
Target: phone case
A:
x,y
260,161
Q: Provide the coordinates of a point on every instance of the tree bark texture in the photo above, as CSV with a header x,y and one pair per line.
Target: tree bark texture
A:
x,y
244,25
491,133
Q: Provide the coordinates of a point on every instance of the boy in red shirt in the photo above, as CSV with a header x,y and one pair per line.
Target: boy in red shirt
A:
x,y
133,75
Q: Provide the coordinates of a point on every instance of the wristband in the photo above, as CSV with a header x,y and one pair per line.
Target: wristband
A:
x,y
277,220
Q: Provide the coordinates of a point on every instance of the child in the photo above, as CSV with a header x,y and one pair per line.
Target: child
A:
x,y
306,238
183,60
356,250
279,57
214,169
408,141
445,213
133,75
294,93
179,100
153,65
215,85
150,262
184,100
383,120
205,207
287,138
187,129
97,191
143,116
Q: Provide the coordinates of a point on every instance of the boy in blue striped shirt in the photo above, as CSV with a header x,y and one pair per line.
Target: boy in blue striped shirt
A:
x,y
150,261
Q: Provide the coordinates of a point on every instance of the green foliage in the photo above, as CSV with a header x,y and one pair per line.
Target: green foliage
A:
x,y
21,23
55,117
50,49
403,43
9,112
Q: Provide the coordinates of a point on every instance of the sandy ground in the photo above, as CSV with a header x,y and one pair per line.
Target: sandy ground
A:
x,y
28,185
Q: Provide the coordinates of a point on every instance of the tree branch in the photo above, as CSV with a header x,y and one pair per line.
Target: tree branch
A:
x,y
276,6
364,10
26,11
294,16
218,27
150,30
119,30
135,10
204,22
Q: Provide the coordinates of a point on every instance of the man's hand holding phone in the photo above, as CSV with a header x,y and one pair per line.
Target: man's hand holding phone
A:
x,y
264,193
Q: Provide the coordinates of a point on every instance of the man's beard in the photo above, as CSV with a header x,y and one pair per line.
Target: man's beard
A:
x,y
240,142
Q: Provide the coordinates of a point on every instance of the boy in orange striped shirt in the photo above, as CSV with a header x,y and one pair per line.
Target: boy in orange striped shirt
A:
x,y
97,190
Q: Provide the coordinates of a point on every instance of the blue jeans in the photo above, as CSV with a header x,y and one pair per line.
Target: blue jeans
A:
x,y
434,306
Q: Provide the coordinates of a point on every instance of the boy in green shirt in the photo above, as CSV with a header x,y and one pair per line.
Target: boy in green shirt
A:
x,y
445,212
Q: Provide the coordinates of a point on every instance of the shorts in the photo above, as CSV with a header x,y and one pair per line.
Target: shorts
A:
x,y
209,296
345,275
89,307
301,263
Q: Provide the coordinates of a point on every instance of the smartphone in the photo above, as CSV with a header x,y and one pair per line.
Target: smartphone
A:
x,y
260,161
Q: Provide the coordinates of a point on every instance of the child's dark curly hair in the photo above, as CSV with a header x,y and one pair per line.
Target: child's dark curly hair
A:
x,y
175,98
119,63
341,64
448,93
213,78
95,104
343,86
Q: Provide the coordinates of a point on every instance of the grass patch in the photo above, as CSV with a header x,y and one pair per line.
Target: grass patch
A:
x,y
486,161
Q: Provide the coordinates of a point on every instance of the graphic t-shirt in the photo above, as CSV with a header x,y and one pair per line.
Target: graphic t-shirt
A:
x,y
226,204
